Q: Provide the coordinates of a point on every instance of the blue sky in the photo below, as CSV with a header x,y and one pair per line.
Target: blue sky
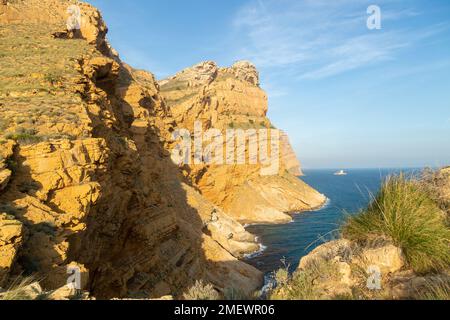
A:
x,y
348,96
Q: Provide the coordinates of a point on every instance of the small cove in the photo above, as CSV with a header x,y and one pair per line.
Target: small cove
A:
x,y
288,243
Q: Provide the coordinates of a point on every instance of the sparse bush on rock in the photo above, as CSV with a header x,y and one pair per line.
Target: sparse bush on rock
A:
x,y
404,212
201,291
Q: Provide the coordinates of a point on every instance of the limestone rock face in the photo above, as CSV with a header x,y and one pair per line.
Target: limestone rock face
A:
x,y
245,71
85,173
218,100
6,152
5,175
224,230
289,157
10,241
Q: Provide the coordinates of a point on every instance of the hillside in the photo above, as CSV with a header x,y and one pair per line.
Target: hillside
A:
x,y
224,99
86,175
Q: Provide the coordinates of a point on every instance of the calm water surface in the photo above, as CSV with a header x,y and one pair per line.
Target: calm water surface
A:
x,y
290,242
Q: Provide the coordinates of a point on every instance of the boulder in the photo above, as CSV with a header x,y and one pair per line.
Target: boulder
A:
x,y
335,250
388,259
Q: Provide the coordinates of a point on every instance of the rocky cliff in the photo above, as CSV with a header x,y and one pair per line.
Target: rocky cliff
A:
x,y
85,175
225,99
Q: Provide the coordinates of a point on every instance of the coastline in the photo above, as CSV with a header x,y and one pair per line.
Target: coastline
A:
x,y
262,247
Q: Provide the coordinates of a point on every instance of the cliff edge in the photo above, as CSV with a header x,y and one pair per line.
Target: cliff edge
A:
x,y
85,176
230,100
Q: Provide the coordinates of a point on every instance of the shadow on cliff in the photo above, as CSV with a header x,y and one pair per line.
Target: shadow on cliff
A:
x,y
142,238
36,255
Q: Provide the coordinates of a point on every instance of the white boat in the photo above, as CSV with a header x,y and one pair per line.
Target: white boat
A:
x,y
340,173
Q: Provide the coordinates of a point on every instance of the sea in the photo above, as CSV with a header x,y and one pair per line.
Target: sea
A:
x,y
284,245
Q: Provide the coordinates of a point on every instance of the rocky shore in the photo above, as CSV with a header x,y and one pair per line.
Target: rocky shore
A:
x,y
86,174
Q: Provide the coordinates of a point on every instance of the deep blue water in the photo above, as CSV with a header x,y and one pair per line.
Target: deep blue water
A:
x,y
346,194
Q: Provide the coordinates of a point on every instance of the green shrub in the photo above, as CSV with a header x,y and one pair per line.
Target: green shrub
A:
x,y
404,212
25,136
233,294
435,290
21,289
201,291
53,78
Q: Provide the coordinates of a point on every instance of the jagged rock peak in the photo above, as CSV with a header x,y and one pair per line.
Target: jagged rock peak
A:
x,y
205,72
246,71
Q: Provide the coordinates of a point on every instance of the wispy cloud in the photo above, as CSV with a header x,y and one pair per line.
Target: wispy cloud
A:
x,y
316,39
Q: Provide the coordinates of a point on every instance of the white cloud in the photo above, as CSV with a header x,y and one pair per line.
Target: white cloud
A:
x,y
316,39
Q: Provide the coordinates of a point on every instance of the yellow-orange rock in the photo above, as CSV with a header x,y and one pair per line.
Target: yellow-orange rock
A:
x,y
91,181
10,241
230,98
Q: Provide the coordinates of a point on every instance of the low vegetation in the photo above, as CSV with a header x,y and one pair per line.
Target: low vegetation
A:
x,y
303,284
180,100
435,290
41,99
21,289
24,136
405,212
174,85
201,291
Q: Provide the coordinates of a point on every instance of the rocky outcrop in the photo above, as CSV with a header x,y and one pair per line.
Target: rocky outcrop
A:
x,y
377,271
245,71
438,185
86,175
352,270
224,99
6,153
200,74
57,12
289,158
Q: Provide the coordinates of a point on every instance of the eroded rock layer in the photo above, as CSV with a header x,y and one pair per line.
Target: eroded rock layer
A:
x,y
85,175
224,99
